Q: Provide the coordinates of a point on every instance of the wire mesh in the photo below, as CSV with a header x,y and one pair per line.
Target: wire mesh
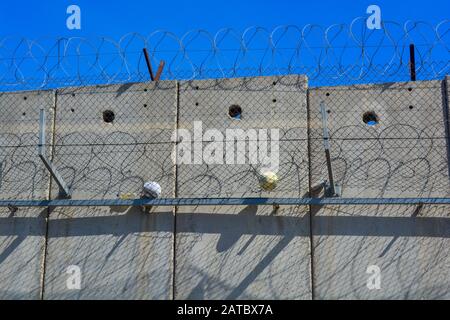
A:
x,y
387,140
22,174
262,97
209,139
266,103
110,140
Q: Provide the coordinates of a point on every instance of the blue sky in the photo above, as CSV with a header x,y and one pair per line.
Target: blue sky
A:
x,y
115,18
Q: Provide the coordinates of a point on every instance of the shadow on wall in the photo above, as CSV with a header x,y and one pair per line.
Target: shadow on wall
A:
x,y
231,227
411,226
21,253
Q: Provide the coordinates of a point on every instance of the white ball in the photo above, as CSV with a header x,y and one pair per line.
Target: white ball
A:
x,y
152,189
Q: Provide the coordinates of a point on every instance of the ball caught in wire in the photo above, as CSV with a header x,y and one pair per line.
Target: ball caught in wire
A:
x,y
268,180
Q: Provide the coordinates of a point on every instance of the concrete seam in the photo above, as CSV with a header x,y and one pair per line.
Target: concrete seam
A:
x,y
311,243
49,194
175,208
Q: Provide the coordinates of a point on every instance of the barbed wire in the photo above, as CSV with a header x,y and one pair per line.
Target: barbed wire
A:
x,y
340,53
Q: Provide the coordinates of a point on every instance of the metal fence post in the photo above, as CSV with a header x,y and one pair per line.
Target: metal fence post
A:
x,y
326,144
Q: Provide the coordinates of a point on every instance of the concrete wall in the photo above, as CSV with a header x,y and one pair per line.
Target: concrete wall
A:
x,y
241,252
22,176
123,253
404,155
245,252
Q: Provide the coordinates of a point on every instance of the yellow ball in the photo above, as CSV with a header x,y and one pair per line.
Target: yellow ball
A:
x,y
268,181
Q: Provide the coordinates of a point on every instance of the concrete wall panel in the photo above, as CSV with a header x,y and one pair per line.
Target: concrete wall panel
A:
x,y
123,253
22,176
404,155
244,252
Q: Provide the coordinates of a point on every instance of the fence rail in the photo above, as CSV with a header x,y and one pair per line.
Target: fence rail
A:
x,y
222,202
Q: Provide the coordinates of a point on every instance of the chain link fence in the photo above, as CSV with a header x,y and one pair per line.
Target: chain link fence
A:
x,y
259,127
22,174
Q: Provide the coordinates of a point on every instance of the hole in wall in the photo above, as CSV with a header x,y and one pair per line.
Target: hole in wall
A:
x,y
108,116
370,118
235,111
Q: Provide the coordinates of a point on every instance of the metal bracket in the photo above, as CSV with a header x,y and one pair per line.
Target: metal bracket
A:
x,y
149,67
412,62
12,209
328,189
63,188
331,187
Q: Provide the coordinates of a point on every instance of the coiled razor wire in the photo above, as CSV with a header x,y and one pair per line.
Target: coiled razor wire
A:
x,y
337,54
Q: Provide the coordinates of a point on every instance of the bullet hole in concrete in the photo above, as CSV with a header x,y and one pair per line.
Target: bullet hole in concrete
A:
x,y
370,118
108,116
235,112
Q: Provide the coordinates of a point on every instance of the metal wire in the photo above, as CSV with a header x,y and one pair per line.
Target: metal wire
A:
x,y
336,54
